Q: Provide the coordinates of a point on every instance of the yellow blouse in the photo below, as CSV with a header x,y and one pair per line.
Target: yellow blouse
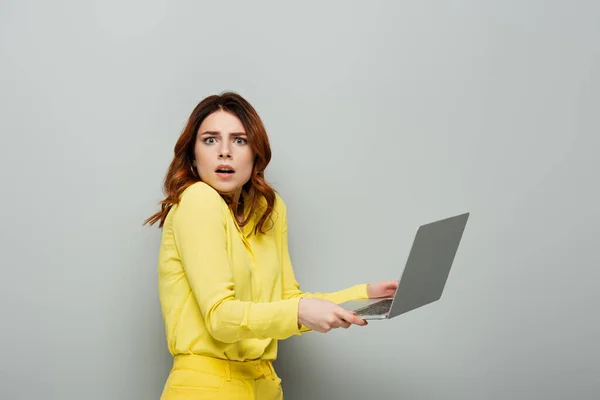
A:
x,y
225,292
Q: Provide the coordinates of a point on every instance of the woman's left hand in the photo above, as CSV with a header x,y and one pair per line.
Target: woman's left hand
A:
x,y
382,289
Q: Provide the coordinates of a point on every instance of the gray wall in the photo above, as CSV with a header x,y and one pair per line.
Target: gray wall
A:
x,y
382,116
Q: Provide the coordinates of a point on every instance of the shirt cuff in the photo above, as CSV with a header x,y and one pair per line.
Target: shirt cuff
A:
x,y
361,291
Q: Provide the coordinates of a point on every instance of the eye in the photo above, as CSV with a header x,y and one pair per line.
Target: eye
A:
x,y
209,140
240,140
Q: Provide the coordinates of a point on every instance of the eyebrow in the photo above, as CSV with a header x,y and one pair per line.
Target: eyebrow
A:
x,y
219,133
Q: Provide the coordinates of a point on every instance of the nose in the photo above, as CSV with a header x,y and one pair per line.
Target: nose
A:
x,y
225,151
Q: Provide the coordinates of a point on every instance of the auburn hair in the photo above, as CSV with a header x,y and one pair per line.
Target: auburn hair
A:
x,y
180,175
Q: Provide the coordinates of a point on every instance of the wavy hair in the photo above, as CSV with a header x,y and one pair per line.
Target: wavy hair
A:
x,y
180,176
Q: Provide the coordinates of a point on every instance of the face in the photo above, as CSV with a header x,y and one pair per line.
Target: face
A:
x,y
223,157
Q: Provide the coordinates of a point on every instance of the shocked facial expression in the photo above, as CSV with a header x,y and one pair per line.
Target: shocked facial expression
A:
x,y
223,157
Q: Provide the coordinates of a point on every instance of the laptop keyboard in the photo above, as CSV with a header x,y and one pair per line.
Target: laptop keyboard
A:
x,y
376,309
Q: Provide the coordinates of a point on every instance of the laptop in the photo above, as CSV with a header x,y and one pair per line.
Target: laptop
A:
x,y
425,273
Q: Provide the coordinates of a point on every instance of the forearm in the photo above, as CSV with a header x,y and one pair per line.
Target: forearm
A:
x,y
352,293
233,320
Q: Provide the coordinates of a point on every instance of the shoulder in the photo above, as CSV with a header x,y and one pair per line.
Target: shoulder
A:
x,y
279,210
199,190
280,207
200,195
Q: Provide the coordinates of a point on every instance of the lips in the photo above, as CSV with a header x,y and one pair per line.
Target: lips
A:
x,y
225,169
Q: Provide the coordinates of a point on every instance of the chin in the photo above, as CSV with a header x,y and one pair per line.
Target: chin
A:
x,y
225,188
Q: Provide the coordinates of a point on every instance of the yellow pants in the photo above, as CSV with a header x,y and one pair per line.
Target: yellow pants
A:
x,y
198,377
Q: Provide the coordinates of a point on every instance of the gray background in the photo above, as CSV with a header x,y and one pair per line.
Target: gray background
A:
x,y
382,116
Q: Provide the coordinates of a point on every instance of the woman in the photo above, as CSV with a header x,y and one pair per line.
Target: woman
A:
x,y
227,288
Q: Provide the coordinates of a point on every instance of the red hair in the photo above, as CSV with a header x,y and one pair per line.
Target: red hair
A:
x,y
180,176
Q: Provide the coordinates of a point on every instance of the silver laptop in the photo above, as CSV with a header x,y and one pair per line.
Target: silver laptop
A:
x,y
425,273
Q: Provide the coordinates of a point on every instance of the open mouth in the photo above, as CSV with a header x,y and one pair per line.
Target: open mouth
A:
x,y
225,169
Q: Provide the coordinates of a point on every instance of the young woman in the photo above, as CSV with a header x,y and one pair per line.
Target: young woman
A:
x,y
227,288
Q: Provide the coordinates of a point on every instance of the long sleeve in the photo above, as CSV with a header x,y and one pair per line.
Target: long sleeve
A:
x,y
291,288
199,229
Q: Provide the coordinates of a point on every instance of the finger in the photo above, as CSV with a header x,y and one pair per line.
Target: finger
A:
x,y
391,284
344,324
324,329
360,321
351,318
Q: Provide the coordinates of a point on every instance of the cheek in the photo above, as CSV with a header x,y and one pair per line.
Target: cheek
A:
x,y
201,154
198,153
248,163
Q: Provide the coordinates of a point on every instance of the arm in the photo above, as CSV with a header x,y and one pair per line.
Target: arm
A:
x,y
199,228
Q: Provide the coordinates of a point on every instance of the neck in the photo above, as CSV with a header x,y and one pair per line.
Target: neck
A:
x,y
236,196
238,210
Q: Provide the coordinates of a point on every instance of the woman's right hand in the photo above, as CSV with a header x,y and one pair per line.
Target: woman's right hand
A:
x,y
323,315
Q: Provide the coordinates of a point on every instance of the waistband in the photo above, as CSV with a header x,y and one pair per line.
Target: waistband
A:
x,y
252,369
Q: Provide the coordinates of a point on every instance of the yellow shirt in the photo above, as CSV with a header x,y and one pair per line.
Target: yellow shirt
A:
x,y
224,292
